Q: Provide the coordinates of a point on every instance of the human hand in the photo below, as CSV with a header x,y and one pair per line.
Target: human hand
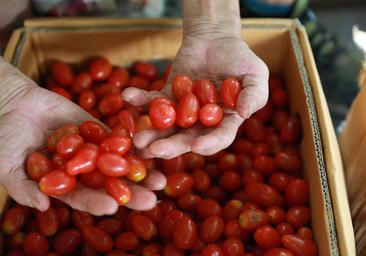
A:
x,y
28,114
216,56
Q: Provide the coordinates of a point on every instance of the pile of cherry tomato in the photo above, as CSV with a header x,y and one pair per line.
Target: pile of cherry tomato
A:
x,y
248,200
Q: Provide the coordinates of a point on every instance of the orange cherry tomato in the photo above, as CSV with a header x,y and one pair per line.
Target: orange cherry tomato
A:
x,y
137,168
118,189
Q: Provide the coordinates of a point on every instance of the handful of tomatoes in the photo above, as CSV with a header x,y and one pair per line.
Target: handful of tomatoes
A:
x,y
248,200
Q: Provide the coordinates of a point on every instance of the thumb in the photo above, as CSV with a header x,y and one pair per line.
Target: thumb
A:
x,y
254,94
138,97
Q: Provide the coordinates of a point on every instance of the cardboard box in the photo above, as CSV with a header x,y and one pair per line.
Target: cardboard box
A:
x,y
282,44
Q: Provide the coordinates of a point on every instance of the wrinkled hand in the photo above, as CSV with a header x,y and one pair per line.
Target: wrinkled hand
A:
x,y
28,114
216,58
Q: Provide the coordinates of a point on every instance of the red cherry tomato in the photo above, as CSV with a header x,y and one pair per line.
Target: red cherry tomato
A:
x,y
212,250
82,219
305,233
184,234
177,164
94,179
211,114
299,246
147,70
113,165
100,69
118,145
86,250
242,146
84,160
233,247
119,77
207,208
214,193
244,162
35,244
205,92
155,214
66,242
229,92
98,239
290,131
82,82
189,202
169,223
87,100
157,85
212,229
181,85
47,222
252,219
187,111
37,165
64,217
58,134
263,194
138,82
285,228
171,250
252,176
13,220
265,164
265,114
57,183
68,145
279,181
267,237
62,73
232,210
261,149
144,227
127,241
110,104
276,214
297,193
105,89
112,226
288,162
15,241
255,130
230,181
279,118
137,168
93,132
118,189
167,206
94,113
278,252
127,121
227,162
62,92
202,180
162,113
152,249
194,161
298,216
233,229
178,184
279,98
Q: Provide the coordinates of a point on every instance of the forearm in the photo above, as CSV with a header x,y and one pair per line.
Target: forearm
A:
x,y
211,16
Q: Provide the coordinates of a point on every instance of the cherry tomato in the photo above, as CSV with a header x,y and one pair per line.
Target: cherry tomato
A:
x,y
167,71
279,181
167,206
263,194
184,234
187,111
119,77
233,229
244,162
260,149
178,184
232,210
250,206
181,85
84,160
298,216
144,227
152,249
214,193
201,179
205,92
15,241
189,202
207,208
213,170
82,219
93,132
58,161
242,146
276,214
82,82
212,250
229,92
35,244
162,113
67,241
252,219
274,142
100,69
137,168
110,104
138,82
198,245
115,144
267,237
87,100
112,121
194,161
157,85
64,217
212,229
37,165
211,114
251,176
105,89
62,73
279,98
112,164
265,114
57,183
127,241
169,222
297,193
47,222
288,162
285,228
305,233
233,247
155,214
177,164
265,164
62,92
86,250
147,70
13,220
118,189
150,164
255,130
68,145
98,239
143,123
127,122
291,130
94,113
299,246
171,250
111,226
58,134
230,181
278,252
94,179
227,162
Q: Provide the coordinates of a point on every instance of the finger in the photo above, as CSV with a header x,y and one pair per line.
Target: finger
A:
x,y
142,199
138,97
96,202
25,191
154,180
146,137
220,138
172,146
254,94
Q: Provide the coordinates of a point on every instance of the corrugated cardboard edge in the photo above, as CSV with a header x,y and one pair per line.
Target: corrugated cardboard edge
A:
x,y
334,166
